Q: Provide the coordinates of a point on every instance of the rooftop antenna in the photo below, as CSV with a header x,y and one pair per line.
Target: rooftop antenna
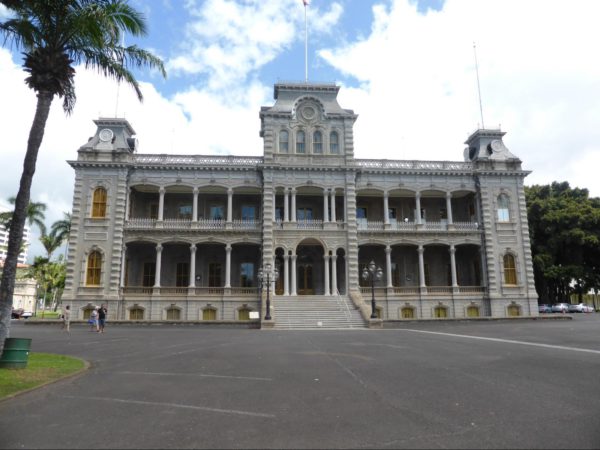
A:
x,y
305,42
478,87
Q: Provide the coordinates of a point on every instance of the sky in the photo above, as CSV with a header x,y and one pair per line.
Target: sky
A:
x,y
406,67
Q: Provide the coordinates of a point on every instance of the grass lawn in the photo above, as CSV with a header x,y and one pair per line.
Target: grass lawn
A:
x,y
41,368
47,315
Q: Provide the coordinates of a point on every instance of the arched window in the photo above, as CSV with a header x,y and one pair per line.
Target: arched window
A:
x,y
503,208
209,314
136,314
284,139
99,203
440,312
300,142
513,310
94,268
472,311
244,314
317,142
510,269
407,313
334,143
173,313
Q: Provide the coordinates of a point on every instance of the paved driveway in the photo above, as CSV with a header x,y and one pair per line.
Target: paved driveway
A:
x,y
526,384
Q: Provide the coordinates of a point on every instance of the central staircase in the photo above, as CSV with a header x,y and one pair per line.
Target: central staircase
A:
x,y
315,312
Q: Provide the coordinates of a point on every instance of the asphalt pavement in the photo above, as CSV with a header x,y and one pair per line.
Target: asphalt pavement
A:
x,y
521,384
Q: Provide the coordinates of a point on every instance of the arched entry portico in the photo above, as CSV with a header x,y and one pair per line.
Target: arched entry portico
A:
x,y
310,264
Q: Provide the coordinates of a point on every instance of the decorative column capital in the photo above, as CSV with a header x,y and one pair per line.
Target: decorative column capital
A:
x,y
193,248
388,250
452,249
195,191
417,195
228,248
161,190
229,191
421,249
448,195
159,248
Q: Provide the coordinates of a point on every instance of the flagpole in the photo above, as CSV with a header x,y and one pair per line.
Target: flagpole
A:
x,y
478,87
305,44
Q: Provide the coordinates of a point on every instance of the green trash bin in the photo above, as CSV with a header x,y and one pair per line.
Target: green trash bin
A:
x,y
15,354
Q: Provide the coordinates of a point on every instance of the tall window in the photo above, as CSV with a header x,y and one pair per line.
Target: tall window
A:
x,y
503,208
284,139
334,142
216,212
300,142
248,212
94,268
136,314
318,142
99,203
246,274
148,275
304,214
173,314
214,275
510,270
182,278
209,314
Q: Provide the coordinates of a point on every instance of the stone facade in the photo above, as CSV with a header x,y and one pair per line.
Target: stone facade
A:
x,y
178,237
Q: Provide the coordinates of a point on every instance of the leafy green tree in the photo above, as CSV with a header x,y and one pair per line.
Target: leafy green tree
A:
x,y
564,226
55,35
50,243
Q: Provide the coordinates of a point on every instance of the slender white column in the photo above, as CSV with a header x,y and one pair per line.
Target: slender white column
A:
x,y
388,265
386,214
294,275
418,207
345,208
421,250
334,289
161,203
286,274
123,265
195,206
229,205
333,219
453,265
193,249
159,249
286,210
326,274
228,266
449,207
293,204
127,203
325,209
274,208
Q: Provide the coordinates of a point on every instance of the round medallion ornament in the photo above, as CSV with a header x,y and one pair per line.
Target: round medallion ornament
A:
x,y
496,145
106,135
308,112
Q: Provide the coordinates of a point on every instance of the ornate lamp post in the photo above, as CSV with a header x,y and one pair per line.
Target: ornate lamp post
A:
x,y
372,272
266,276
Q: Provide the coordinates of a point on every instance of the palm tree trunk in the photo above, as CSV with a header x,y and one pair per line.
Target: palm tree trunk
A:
x,y
7,283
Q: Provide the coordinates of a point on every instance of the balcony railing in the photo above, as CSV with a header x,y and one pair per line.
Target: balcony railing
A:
x,y
415,290
189,291
312,224
414,165
142,223
379,225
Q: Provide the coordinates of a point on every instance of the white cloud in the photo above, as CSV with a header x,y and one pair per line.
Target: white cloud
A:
x,y
539,79
4,13
228,40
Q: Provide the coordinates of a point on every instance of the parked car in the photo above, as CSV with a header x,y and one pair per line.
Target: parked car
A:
x,y
544,308
560,307
20,313
581,308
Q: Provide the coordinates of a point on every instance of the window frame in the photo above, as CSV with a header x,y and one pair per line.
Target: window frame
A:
x,y
510,273
286,141
99,203
503,208
334,144
300,144
317,145
93,272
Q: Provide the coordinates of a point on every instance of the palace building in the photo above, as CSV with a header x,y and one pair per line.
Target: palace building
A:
x,y
184,237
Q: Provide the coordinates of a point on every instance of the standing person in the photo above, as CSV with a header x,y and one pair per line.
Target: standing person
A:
x,y
94,319
102,312
66,316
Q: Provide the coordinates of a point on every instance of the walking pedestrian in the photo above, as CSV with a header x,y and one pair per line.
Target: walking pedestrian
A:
x,y
94,319
102,312
66,317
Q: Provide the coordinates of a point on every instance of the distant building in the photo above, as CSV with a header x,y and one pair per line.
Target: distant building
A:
x,y
182,237
4,239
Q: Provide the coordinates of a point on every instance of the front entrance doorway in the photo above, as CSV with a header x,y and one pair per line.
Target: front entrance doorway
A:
x,y
305,279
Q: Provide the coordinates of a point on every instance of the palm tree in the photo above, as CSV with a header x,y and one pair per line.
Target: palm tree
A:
x,y
61,229
34,215
54,35
50,243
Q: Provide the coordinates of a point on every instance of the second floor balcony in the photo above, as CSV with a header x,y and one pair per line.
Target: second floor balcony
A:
x,y
142,223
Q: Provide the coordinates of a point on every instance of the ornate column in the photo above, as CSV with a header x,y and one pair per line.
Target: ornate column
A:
x,y
286,209
325,209
294,275
388,265
334,289
449,207
293,204
418,208
229,205
193,249
286,274
332,208
127,203
274,208
421,250
326,274
123,264
453,265
228,266
386,214
195,206
161,203
159,249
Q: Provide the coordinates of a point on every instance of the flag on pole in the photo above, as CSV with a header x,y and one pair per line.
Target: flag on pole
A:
x,y
305,2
